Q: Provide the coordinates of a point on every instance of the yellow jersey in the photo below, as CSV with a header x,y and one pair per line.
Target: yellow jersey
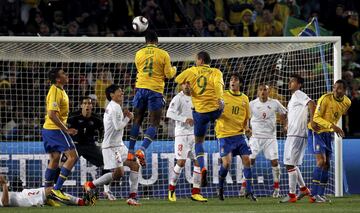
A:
x,y
207,87
100,87
153,66
328,111
56,100
234,120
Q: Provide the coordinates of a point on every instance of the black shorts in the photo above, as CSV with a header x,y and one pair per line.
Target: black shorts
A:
x,y
91,153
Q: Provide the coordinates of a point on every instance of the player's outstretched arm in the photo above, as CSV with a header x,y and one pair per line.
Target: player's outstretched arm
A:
x,y
219,86
170,71
5,191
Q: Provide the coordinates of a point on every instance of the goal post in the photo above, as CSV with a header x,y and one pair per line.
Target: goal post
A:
x,y
94,61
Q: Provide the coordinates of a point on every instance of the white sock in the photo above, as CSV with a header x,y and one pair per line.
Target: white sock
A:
x,y
103,180
175,174
73,200
134,180
276,173
300,179
196,177
106,187
292,180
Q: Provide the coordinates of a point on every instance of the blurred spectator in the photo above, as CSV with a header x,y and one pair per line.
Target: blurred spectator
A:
x,y
268,26
258,10
103,80
198,24
59,25
348,60
44,29
281,11
149,11
194,8
211,30
308,7
344,23
225,30
35,19
294,9
246,27
160,24
235,7
72,29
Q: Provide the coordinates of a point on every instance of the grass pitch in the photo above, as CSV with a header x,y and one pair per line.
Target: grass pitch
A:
x,y
345,204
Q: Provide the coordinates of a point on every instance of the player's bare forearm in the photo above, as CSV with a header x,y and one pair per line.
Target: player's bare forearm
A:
x,y
54,117
312,107
283,119
5,190
170,72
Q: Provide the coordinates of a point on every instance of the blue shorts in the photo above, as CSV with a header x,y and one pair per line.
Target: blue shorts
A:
x,y
56,141
236,145
202,120
321,143
147,99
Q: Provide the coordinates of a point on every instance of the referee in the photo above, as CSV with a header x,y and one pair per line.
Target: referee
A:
x,y
89,127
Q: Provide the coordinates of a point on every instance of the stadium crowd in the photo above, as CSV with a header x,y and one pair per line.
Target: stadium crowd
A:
x,y
27,81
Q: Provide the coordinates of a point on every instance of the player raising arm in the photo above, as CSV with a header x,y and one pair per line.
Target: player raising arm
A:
x,y
207,91
230,130
180,111
113,148
56,135
299,107
153,66
263,126
330,108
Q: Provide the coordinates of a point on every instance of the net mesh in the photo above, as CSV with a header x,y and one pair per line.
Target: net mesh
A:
x,y
92,66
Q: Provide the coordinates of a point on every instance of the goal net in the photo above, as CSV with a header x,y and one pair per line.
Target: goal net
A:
x,y
94,63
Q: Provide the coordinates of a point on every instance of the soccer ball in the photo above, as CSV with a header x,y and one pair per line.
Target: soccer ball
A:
x,y
140,24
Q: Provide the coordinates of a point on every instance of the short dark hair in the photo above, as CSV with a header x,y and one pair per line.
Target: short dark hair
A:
x,y
53,75
151,37
204,56
340,81
238,76
299,79
84,98
111,89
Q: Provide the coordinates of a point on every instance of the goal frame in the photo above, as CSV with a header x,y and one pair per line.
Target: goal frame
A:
x,y
336,41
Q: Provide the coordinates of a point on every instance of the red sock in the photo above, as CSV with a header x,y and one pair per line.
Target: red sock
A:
x,y
292,195
276,185
81,202
303,188
172,188
195,191
132,195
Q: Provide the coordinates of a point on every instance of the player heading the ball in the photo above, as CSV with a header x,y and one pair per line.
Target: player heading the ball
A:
x,y
153,66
